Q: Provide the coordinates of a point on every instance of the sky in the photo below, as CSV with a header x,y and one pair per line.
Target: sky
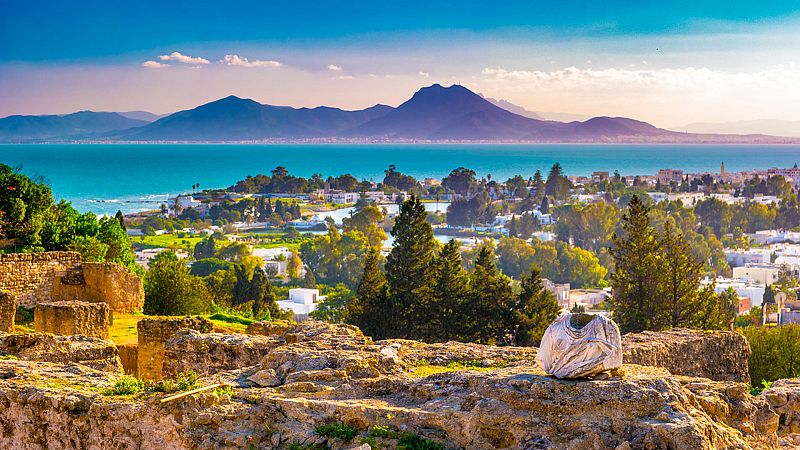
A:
x,y
669,63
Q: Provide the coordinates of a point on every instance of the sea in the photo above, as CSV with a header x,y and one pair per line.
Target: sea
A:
x,y
104,178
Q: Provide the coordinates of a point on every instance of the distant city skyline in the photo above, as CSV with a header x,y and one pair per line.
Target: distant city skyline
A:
x,y
669,64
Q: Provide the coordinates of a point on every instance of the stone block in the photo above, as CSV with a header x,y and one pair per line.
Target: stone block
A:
x,y
718,355
8,312
73,318
154,333
94,282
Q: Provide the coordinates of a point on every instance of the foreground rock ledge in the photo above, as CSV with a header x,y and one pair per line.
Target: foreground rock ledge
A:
x,y
57,406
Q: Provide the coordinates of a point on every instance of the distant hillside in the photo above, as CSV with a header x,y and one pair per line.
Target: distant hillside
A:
x,y
142,115
789,128
233,118
29,128
433,113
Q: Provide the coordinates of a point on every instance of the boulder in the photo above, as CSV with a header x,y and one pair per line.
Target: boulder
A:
x,y
717,355
91,352
784,398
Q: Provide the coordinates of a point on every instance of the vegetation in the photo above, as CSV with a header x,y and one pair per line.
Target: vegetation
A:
x,y
128,385
775,352
406,440
170,290
341,431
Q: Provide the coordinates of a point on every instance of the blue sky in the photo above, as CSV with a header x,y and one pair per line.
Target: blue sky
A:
x,y
665,62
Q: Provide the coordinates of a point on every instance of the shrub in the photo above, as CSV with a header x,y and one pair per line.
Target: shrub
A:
x,y
183,381
775,352
405,439
170,290
341,431
126,385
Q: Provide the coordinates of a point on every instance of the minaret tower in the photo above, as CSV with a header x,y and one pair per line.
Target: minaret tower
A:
x,y
722,170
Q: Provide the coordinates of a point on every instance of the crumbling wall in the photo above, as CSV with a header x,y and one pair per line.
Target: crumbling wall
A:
x,y
718,355
153,333
91,352
95,282
8,311
29,277
69,318
129,356
207,353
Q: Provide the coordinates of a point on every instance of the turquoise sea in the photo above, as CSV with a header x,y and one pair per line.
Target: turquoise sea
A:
x,y
104,178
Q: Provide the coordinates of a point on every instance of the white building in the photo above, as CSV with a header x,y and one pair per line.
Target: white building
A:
x,y
301,302
758,273
587,297
745,288
739,257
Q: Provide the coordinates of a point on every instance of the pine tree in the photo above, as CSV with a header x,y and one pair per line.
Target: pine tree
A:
x,y
369,310
241,289
535,309
635,280
309,280
450,295
544,208
490,302
538,185
409,267
680,283
260,293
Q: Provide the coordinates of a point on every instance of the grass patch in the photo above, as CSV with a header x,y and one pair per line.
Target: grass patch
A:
x,y
123,330
406,440
167,241
231,318
224,390
128,385
341,431
424,368
8,358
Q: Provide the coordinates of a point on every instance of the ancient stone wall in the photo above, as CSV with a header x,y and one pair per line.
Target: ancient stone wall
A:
x,y
8,310
129,355
91,352
720,355
208,353
95,282
70,318
153,333
29,277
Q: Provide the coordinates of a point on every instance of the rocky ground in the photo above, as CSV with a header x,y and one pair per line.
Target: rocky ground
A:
x,y
283,386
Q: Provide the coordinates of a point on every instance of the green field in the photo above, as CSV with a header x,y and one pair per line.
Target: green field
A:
x,y
167,241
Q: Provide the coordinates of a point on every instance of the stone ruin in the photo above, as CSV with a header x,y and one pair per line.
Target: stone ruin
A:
x,y
288,379
33,278
8,311
73,318
153,334
87,351
97,282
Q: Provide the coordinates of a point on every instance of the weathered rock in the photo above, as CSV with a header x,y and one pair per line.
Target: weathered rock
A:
x,y
69,318
265,378
8,312
153,333
129,356
91,352
784,398
512,408
718,355
104,282
207,353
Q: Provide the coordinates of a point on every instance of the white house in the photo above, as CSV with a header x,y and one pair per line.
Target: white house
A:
x,y
745,288
301,302
758,273
739,257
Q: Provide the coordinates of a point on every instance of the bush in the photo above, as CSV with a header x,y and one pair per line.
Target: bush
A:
x,y
775,353
170,290
341,431
405,439
126,385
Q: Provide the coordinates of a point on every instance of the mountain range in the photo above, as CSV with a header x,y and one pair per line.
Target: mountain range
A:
x,y
433,113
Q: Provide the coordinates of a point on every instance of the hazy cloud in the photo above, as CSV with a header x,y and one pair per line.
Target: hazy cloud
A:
x,y
346,77
334,67
424,74
236,60
154,65
179,57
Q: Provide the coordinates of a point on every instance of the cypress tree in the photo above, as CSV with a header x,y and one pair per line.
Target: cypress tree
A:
x,y
635,280
121,219
241,289
409,267
450,295
535,309
490,301
369,310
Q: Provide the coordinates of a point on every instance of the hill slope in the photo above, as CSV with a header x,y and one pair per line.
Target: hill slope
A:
x,y
27,128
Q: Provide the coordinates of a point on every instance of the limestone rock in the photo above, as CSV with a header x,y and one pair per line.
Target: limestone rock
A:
x,y
784,398
718,355
91,352
568,351
265,378
105,282
69,318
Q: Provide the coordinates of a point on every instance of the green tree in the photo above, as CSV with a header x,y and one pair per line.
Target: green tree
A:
x,y
490,301
635,280
366,221
409,267
451,293
535,309
680,291
171,290
370,309
23,204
